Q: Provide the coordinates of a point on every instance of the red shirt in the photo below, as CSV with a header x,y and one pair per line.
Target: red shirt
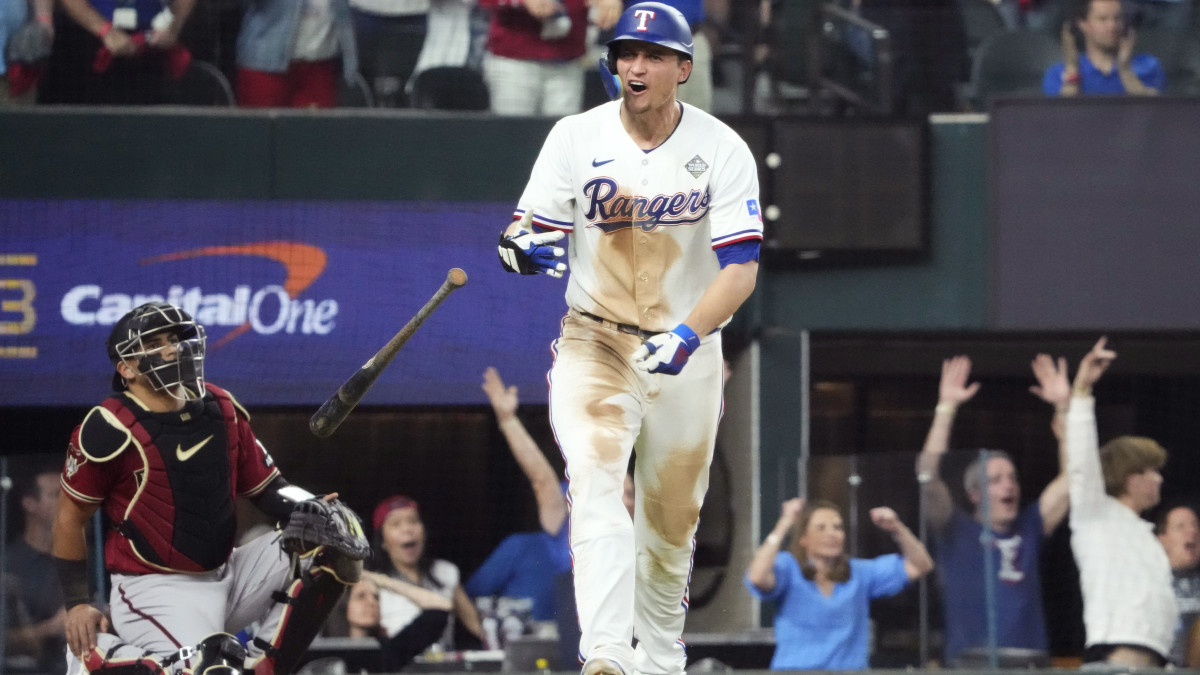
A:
x,y
515,34
161,489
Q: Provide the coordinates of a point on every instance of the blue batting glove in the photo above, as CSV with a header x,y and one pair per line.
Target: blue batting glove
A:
x,y
667,352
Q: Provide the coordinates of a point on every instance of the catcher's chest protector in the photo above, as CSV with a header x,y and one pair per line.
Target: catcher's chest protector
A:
x,y
182,517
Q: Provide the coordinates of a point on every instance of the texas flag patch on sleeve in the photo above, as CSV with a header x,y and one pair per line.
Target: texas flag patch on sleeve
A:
x,y
752,208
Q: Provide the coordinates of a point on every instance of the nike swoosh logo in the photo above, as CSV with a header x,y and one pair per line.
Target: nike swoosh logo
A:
x,y
185,455
599,163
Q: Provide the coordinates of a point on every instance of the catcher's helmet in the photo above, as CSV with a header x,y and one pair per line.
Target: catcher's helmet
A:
x,y
186,368
651,22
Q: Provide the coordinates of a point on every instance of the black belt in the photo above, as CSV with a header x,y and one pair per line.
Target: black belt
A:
x,y
621,327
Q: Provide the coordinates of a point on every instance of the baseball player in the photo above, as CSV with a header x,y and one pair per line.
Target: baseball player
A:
x,y
659,202
165,457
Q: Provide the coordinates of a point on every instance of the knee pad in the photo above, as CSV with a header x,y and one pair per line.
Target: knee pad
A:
x,y
309,600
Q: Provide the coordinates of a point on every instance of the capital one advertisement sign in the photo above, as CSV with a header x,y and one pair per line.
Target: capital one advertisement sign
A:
x,y
295,296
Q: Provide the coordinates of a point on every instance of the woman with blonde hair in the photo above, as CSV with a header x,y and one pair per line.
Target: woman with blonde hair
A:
x,y
822,595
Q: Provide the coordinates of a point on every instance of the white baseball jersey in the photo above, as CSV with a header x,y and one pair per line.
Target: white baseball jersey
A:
x,y
643,224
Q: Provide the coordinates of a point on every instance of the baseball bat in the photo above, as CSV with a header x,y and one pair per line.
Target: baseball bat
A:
x,y
334,411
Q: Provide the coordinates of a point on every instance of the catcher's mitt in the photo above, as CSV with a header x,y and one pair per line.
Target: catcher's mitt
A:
x,y
315,522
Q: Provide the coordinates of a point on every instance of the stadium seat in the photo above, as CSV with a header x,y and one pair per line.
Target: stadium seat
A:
x,y
355,93
450,88
1010,63
203,84
981,20
1179,52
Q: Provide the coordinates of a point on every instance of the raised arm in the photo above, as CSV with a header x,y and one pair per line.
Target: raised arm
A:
x,y
552,506
419,595
1070,51
1054,388
917,561
761,571
1083,450
953,391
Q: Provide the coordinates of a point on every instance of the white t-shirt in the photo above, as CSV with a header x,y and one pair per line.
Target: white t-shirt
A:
x,y
315,40
447,35
397,611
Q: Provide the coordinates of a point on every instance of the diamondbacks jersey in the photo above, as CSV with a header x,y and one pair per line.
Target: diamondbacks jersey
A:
x,y
167,481
643,225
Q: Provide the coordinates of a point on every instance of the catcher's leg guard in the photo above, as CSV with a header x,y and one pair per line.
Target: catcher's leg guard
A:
x,y
307,602
217,654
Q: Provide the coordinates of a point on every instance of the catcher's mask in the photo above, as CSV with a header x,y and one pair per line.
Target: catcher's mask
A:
x,y
182,375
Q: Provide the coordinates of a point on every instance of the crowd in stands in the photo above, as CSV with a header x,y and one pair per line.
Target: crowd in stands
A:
x,y
539,57
514,58
1140,581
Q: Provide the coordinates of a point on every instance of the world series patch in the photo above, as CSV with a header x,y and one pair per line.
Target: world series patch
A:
x,y
696,166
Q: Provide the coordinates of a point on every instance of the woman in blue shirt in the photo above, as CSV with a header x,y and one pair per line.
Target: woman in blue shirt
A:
x,y
822,595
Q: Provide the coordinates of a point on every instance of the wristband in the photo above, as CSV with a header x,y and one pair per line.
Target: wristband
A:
x,y
945,409
105,30
509,422
45,19
73,577
691,341
774,539
1070,78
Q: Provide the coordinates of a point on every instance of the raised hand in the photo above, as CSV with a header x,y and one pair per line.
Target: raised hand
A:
x,y
1053,386
789,511
885,519
953,388
1093,365
504,399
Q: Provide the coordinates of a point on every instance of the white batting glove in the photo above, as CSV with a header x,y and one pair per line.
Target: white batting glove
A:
x,y
667,352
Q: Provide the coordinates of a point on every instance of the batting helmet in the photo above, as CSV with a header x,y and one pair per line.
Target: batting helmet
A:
x,y
655,23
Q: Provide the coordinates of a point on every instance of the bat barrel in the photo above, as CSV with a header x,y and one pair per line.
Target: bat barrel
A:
x,y
334,411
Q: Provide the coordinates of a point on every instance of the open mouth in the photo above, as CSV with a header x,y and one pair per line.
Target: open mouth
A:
x,y
636,86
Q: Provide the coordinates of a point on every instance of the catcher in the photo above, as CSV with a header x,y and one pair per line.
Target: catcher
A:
x,y
165,457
